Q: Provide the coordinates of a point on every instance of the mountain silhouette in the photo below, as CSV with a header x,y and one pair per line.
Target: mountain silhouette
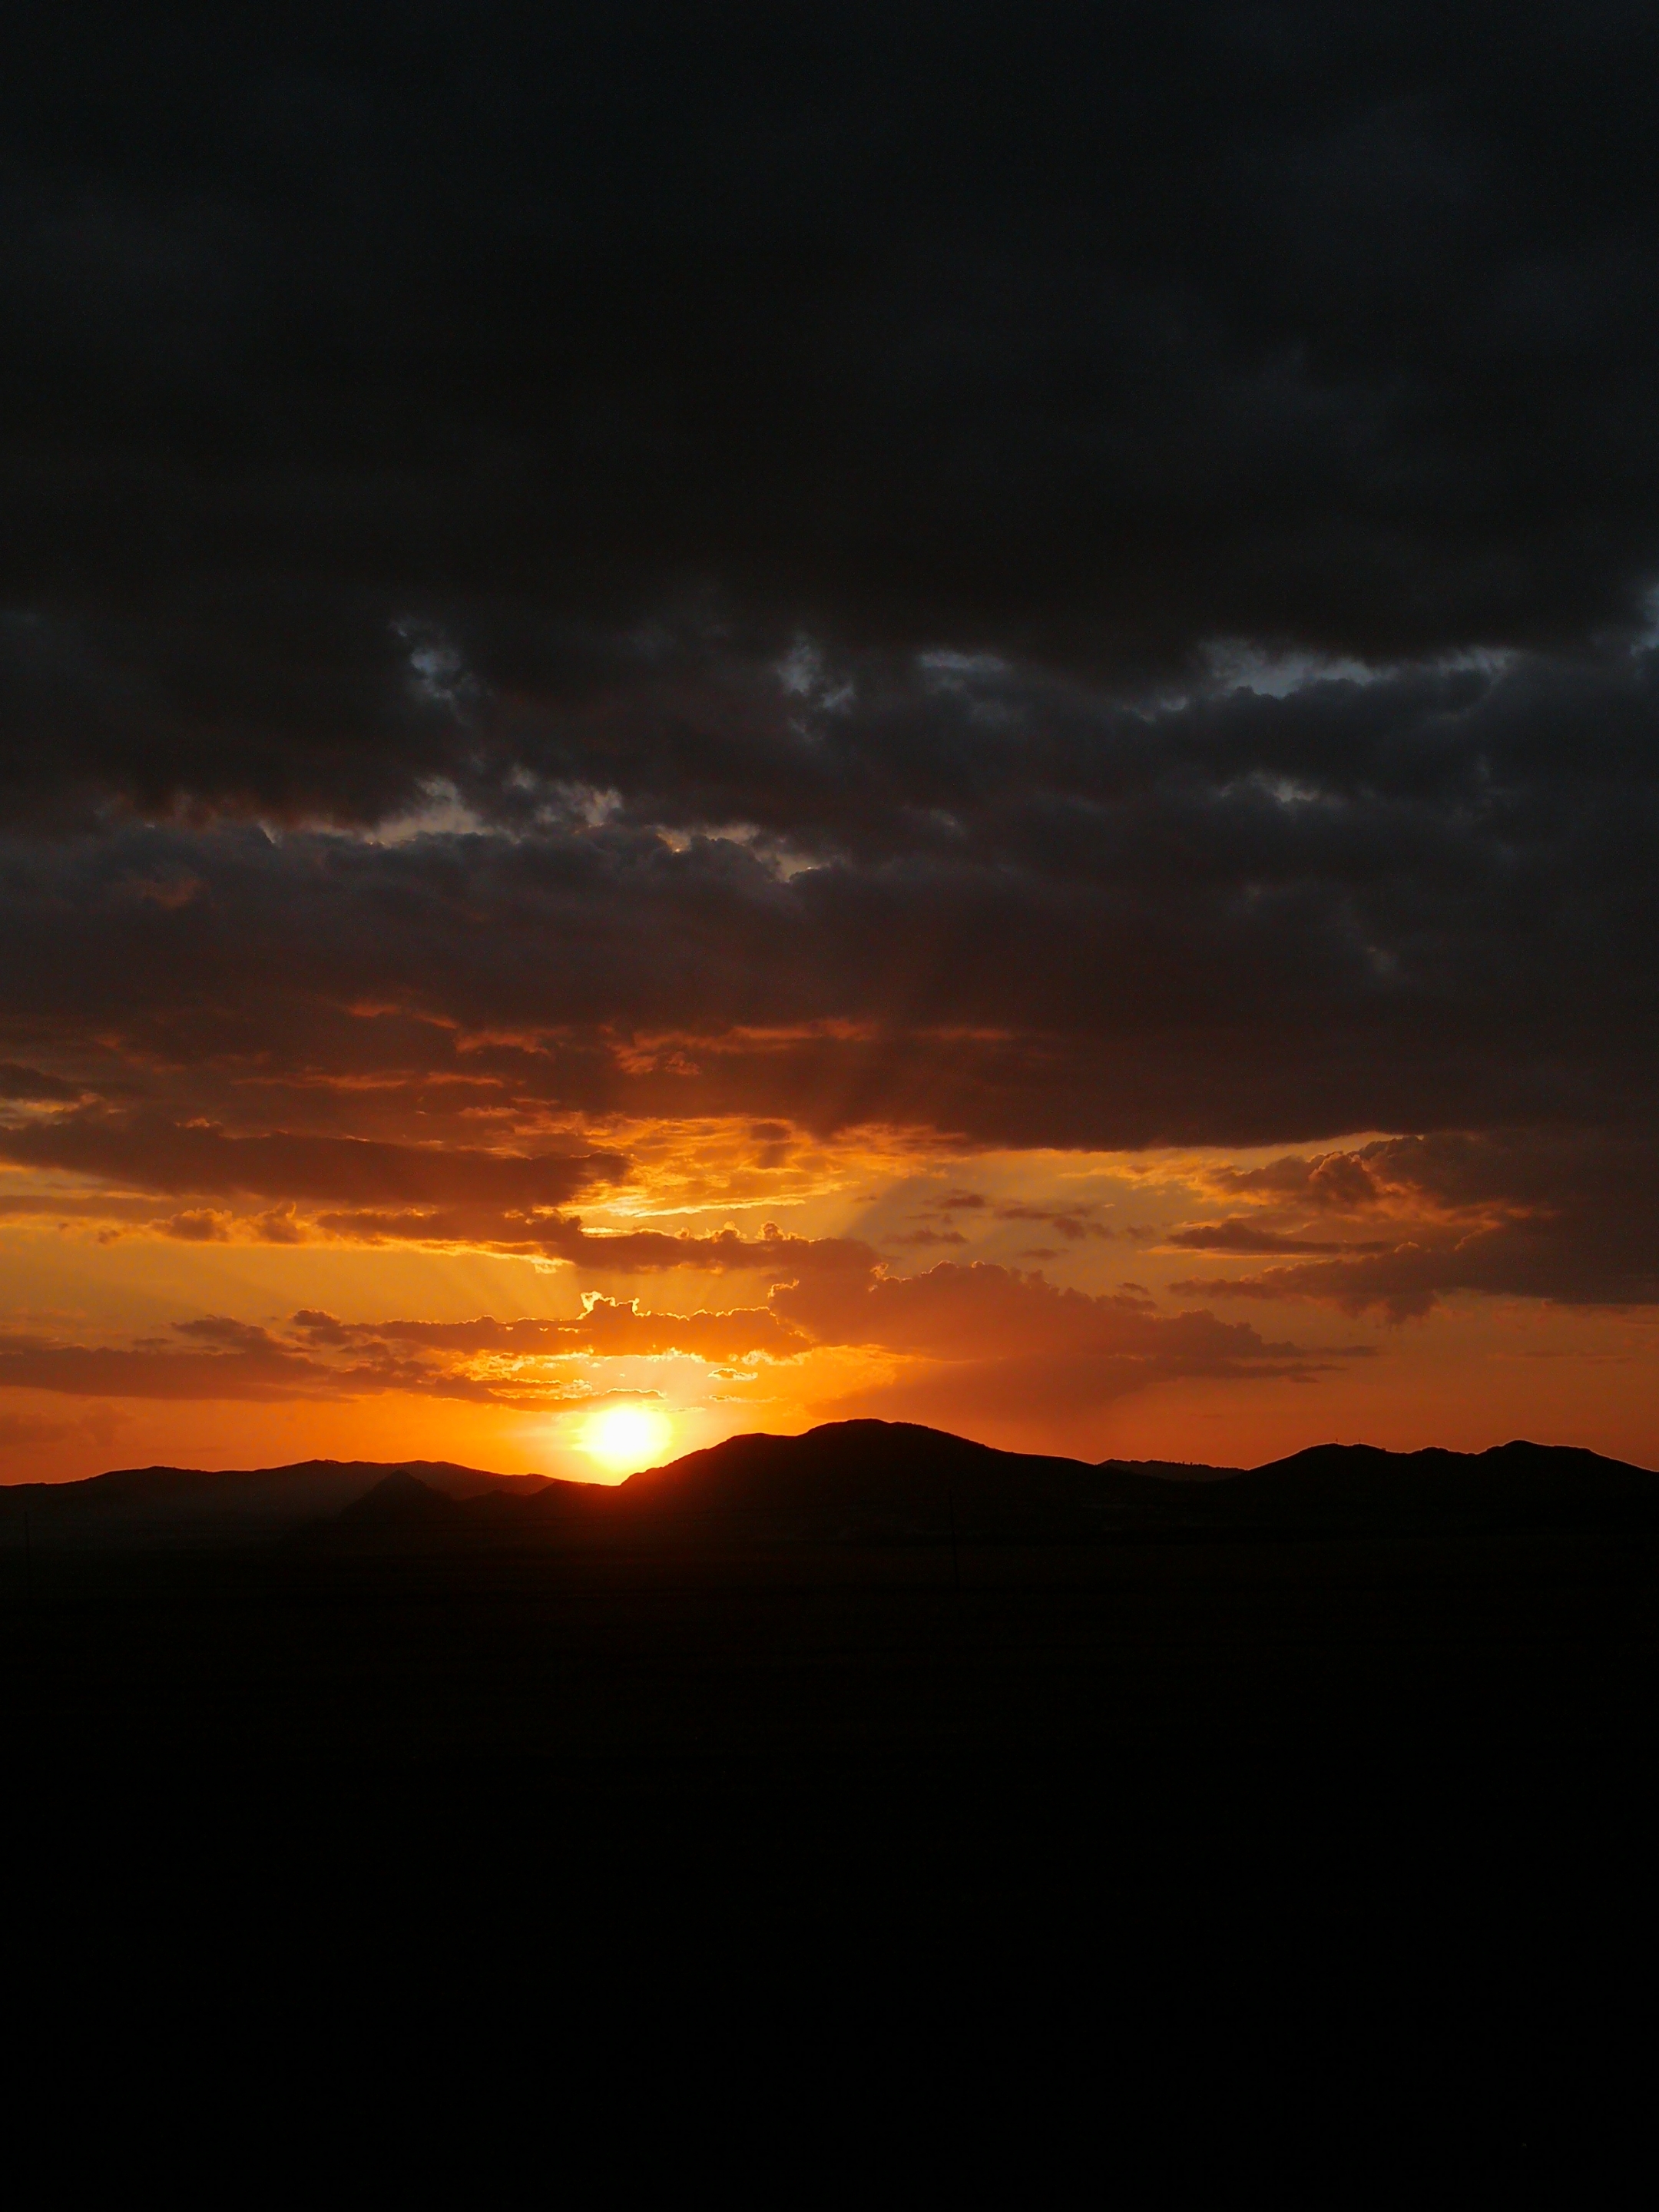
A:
x,y
168,1507
877,1482
394,1498
873,1480
869,1479
845,1482
1517,1483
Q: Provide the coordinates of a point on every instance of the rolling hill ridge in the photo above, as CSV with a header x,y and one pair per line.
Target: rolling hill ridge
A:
x,y
868,1482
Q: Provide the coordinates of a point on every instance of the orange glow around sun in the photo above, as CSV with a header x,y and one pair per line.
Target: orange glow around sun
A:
x,y
626,1437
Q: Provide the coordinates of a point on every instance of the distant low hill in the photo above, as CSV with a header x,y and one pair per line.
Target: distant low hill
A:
x,y
186,1507
847,1482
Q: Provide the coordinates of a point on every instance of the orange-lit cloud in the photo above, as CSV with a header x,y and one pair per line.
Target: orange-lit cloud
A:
x,y
852,1309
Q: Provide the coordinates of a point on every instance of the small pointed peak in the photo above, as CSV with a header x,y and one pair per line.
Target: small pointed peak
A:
x,y
398,1493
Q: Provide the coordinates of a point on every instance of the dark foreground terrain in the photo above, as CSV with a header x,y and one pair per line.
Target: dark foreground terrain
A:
x,y
1317,1787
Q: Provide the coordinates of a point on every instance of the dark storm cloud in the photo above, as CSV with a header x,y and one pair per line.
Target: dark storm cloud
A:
x,y
146,1153
1422,900
1568,1217
332,339
441,1193
618,1252
1070,576
1246,1236
29,1083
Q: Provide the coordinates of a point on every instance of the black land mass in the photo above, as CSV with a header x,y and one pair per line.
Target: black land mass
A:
x,y
870,1710
871,1480
165,1507
847,1482
867,1590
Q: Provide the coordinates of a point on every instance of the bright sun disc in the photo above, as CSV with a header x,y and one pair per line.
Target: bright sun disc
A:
x,y
626,1437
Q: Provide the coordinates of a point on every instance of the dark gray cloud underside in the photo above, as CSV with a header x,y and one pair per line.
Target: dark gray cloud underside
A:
x,y
1084,333
1074,575
1007,909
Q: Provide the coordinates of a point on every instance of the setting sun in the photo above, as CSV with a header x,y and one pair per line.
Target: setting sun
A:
x,y
626,1437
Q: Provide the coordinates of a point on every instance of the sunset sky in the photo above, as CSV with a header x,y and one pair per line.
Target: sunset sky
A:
x,y
769,712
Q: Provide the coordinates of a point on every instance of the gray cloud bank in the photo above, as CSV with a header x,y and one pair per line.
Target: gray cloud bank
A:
x,y
1090,335
1422,900
1565,1216
1049,577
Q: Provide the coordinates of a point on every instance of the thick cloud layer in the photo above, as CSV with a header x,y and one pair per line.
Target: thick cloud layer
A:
x,y
994,1339
1065,578
1091,334
964,899
1568,1217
